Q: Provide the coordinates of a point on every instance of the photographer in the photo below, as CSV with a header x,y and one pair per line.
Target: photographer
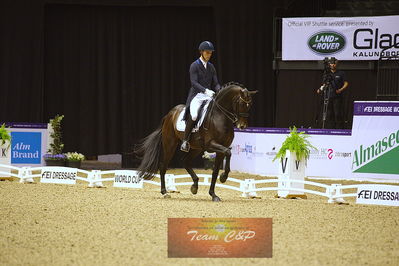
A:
x,y
334,84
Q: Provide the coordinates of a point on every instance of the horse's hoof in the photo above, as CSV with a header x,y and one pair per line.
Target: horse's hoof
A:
x,y
194,189
166,196
223,177
216,199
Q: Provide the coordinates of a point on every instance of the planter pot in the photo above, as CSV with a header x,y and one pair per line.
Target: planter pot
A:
x,y
73,164
55,162
208,164
291,169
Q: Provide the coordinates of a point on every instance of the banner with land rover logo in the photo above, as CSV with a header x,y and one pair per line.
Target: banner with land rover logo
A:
x,y
353,38
375,134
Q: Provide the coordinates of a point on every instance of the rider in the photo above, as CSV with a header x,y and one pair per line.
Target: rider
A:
x,y
204,83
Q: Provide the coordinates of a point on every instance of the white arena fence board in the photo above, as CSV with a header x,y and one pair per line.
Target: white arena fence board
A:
x,y
333,192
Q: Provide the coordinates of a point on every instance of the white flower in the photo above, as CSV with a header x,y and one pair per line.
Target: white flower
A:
x,y
74,156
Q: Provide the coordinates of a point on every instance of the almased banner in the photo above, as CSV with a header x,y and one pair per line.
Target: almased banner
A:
x,y
356,38
376,140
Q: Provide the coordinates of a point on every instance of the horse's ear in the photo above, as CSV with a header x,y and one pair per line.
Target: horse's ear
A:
x,y
243,92
253,92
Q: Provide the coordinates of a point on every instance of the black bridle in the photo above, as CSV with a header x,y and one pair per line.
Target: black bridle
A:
x,y
232,115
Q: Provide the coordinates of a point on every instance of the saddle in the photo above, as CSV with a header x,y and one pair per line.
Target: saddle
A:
x,y
181,123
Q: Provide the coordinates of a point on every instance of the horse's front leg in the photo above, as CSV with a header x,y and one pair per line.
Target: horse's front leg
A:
x,y
215,172
221,153
225,174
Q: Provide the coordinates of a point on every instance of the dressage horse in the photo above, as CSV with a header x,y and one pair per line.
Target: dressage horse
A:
x,y
229,107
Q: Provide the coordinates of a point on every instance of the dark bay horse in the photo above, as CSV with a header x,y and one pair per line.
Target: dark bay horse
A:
x,y
230,106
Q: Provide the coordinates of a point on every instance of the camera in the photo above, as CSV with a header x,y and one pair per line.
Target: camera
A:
x,y
327,61
327,74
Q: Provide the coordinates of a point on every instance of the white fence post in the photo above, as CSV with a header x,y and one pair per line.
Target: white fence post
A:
x,y
247,188
23,174
335,191
206,180
170,183
94,178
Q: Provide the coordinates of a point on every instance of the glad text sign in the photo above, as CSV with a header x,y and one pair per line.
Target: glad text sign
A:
x,y
356,38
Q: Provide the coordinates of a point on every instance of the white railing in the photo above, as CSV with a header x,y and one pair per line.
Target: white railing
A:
x,y
248,187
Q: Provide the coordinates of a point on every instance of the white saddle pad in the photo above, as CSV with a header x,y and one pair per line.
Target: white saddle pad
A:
x,y
181,124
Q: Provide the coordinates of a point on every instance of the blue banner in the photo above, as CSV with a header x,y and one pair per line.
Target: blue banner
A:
x,y
26,147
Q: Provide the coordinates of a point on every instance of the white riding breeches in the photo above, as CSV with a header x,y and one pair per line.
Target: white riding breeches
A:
x,y
196,104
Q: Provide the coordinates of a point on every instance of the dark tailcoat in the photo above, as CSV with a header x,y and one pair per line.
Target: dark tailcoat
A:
x,y
201,78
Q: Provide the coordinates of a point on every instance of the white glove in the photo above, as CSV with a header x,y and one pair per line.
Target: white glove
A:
x,y
209,93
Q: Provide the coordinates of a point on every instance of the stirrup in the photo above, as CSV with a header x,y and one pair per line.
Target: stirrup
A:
x,y
185,146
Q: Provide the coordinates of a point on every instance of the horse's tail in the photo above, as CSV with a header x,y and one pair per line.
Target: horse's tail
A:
x,y
150,152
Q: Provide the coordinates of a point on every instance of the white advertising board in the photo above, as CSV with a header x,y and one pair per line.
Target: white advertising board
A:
x,y
347,38
59,175
376,140
254,149
378,195
126,178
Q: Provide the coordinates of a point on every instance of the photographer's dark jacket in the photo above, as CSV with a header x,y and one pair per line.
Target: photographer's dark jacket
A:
x,y
337,83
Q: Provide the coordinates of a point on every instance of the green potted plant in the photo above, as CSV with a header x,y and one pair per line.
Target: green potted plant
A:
x,y
5,137
55,157
209,160
74,159
297,143
293,154
5,143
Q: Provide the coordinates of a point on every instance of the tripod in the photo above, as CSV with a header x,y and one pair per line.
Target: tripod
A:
x,y
327,80
326,99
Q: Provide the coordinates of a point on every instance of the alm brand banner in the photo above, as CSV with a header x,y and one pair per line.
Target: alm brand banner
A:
x,y
130,179
29,143
220,237
26,147
59,175
353,38
378,195
376,140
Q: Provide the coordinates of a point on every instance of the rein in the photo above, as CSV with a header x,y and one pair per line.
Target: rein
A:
x,y
230,115
233,117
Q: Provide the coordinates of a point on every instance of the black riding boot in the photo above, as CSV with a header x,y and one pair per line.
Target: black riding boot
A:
x,y
185,146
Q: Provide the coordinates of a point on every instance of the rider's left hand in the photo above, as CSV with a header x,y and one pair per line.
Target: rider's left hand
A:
x,y
210,93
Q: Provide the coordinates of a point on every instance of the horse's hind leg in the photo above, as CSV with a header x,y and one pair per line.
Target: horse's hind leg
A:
x,y
169,144
187,165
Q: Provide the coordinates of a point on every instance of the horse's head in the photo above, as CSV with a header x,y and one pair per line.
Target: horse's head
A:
x,y
242,106
238,101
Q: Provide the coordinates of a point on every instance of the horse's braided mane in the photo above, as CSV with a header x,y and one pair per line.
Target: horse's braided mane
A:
x,y
223,90
232,83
